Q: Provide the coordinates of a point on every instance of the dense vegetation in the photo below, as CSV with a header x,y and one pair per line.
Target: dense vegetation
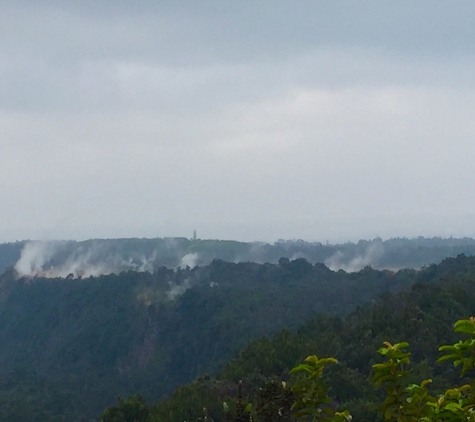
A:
x,y
424,317
69,347
9,254
306,396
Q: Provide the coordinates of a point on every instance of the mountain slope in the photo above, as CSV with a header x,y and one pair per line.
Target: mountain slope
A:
x,y
99,337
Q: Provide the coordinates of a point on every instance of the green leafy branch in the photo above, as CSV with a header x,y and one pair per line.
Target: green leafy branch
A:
x,y
311,392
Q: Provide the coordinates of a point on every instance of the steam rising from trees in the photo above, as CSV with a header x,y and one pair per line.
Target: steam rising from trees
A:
x,y
106,256
370,257
63,259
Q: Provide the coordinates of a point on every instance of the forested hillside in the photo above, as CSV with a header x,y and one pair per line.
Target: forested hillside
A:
x,y
423,316
69,347
72,345
10,253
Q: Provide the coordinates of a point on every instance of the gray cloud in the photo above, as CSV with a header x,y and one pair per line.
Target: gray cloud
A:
x,y
254,121
187,33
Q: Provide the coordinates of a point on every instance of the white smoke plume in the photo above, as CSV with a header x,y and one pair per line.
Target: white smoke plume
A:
x,y
34,256
73,259
338,261
55,259
189,260
178,289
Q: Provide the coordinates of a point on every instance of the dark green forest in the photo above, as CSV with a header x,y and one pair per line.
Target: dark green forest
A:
x,y
423,316
70,347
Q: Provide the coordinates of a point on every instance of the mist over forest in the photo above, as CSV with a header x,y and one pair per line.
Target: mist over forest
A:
x,y
106,256
82,323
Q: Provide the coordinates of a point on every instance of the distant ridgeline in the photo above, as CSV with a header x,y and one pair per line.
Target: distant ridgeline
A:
x,y
69,347
97,257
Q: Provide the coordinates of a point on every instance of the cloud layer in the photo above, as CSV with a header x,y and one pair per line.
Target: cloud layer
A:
x,y
249,121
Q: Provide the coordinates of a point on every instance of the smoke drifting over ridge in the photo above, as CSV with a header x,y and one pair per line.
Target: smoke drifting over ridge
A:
x,y
370,257
98,257
62,259
106,256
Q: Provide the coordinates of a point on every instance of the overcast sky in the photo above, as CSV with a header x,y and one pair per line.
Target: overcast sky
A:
x,y
320,120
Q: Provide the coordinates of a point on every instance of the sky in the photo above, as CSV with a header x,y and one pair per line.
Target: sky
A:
x,y
257,121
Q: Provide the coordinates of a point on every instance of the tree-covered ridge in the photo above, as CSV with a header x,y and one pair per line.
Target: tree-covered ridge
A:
x,y
72,346
9,254
306,396
100,337
422,316
104,256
